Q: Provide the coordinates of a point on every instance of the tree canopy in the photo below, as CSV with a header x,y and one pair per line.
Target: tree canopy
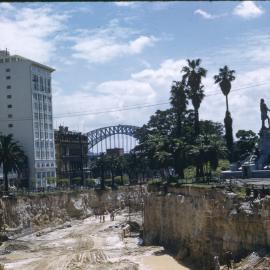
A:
x,y
12,157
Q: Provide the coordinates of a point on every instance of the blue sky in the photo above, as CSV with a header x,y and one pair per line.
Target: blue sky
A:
x,y
110,56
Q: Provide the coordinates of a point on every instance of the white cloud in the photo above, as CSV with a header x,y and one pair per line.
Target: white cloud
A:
x,y
251,48
6,6
152,86
124,4
163,76
205,14
100,50
248,10
30,31
111,97
104,44
149,86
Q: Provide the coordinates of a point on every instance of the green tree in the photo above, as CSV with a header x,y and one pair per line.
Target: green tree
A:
x,y
212,128
179,104
246,143
193,74
102,166
12,157
207,151
155,139
114,165
224,79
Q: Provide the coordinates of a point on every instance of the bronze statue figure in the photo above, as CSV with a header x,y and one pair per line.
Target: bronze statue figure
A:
x,y
264,116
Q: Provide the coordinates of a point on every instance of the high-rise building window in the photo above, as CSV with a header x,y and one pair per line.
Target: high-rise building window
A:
x,y
8,86
7,69
9,106
37,154
41,83
9,96
10,116
8,77
35,80
10,125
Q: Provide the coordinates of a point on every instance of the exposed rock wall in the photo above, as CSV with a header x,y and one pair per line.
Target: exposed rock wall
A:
x,y
37,211
200,223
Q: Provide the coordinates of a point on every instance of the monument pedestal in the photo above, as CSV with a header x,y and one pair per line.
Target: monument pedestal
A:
x,y
264,148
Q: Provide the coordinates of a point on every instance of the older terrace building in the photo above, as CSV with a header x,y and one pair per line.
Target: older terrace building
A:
x,y
26,112
71,154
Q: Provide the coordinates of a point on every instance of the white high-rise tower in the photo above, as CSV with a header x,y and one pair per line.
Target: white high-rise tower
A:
x,y
26,112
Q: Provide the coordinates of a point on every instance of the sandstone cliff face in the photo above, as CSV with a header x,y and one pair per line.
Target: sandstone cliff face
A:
x,y
39,211
200,223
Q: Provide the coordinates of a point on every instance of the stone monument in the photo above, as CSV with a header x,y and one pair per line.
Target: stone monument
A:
x,y
257,165
264,144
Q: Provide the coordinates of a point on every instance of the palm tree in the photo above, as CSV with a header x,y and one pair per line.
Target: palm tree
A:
x,y
193,74
12,157
224,79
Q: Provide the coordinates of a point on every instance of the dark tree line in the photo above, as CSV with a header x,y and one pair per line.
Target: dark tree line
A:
x,y
176,138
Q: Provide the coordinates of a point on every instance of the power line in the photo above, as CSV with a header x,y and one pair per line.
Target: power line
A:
x,y
138,106
126,108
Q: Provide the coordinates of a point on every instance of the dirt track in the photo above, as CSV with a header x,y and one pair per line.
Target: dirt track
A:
x,y
87,244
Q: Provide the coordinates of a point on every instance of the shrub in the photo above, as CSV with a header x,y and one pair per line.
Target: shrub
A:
x,y
172,179
118,180
62,182
108,182
76,181
156,181
51,180
90,182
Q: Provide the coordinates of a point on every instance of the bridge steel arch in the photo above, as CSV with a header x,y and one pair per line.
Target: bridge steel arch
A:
x,y
98,135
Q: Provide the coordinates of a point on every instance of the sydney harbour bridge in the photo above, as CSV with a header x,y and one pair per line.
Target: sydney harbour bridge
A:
x,y
120,136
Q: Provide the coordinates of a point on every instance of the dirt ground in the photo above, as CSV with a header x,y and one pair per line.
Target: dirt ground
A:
x,y
84,245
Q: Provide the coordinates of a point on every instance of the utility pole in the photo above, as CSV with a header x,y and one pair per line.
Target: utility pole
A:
x,y
81,158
